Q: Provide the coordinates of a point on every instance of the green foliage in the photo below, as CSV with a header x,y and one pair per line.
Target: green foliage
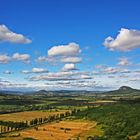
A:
x,y
121,120
29,139
138,138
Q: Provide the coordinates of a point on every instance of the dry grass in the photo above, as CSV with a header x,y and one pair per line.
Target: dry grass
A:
x,y
12,138
27,115
63,130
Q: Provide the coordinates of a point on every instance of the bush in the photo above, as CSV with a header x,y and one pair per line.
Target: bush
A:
x,y
29,139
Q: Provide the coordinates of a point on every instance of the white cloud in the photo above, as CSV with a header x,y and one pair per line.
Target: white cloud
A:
x,y
124,61
71,59
86,77
126,40
8,85
134,79
110,70
8,36
42,59
25,71
64,50
4,58
59,59
39,70
100,66
61,76
81,80
21,57
34,70
62,54
51,60
68,67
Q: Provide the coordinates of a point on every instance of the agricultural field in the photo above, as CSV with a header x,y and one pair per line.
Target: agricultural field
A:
x,y
70,117
63,130
29,115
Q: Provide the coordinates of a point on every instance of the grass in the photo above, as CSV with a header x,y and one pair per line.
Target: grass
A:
x,y
94,131
63,130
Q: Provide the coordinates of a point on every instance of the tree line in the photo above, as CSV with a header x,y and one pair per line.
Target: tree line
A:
x,y
9,126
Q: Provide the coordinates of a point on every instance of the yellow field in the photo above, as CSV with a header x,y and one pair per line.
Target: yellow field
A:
x,y
103,101
63,130
28,115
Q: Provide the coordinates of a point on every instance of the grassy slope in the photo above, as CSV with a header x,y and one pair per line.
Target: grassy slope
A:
x,y
119,121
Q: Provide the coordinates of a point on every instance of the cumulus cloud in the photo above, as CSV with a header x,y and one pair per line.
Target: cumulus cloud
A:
x,y
126,40
60,76
39,70
124,61
71,59
64,50
51,60
4,58
68,67
6,35
8,85
35,70
59,59
21,57
62,54
79,80
49,78
103,69
44,59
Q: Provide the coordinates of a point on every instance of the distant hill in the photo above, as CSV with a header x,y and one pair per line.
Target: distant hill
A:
x,y
5,92
2,93
64,93
124,90
48,93
40,92
59,92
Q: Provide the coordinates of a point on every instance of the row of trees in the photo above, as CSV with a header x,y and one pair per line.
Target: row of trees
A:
x,y
54,117
8,126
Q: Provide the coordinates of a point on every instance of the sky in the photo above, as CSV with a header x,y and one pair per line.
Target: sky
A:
x,y
69,44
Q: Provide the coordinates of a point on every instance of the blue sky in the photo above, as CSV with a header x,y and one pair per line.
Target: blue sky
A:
x,y
93,44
